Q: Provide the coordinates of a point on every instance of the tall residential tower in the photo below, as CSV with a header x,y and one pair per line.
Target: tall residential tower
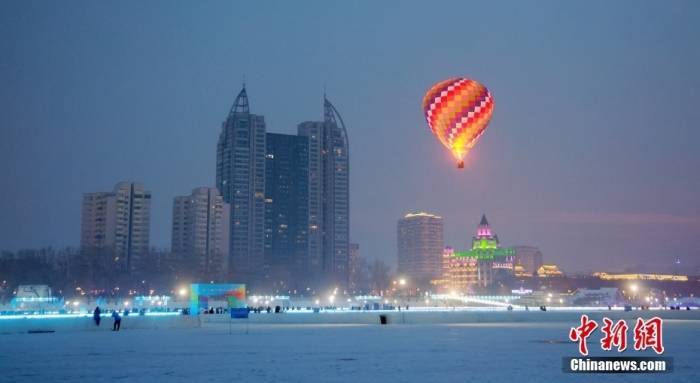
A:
x,y
117,224
420,246
329,204
240,177
200,233
287,211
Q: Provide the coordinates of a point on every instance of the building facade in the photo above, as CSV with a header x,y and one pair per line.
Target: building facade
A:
x,y
329,203
529,258
287,211
549,270
479,267
240,178
420,247
354,266
116,224
200,234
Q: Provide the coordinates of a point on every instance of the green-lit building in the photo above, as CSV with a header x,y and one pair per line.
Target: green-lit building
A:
x,y
479,267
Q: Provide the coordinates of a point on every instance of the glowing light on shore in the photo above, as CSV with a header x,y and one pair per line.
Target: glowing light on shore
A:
x,y
641,277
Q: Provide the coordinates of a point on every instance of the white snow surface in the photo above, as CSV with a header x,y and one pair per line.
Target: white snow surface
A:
x,y
327,352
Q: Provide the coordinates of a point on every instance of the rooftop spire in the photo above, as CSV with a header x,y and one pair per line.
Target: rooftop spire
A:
x,y
240,106
331,115
328,114
484,230
483,222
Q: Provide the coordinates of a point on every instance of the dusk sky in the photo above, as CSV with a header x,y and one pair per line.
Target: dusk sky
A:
x,y
593,152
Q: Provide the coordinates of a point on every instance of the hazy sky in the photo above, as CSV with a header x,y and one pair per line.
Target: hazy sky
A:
x,y
593,152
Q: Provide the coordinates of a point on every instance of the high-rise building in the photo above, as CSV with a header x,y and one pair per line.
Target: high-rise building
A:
x,y
287,211
529,257
200,234
240,177
329,204
420,246
117,223
354,267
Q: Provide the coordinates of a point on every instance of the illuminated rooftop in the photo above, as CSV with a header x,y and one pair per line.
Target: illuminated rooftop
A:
x,y
484,229
549,270
486,253
421,214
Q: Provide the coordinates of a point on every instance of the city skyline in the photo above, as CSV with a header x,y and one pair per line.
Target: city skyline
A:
x,y
361,191
590,157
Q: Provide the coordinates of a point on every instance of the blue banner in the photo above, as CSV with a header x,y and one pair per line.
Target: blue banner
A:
x,y
239,312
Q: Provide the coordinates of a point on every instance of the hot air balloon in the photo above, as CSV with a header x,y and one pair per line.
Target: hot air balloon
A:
x,y
458,111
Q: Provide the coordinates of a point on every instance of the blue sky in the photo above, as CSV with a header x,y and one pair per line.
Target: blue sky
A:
x,y
592,153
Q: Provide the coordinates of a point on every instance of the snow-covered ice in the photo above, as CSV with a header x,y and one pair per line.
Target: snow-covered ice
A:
x,y
476,352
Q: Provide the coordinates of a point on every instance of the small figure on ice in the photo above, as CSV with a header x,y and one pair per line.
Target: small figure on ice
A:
x,y
117,320
96,316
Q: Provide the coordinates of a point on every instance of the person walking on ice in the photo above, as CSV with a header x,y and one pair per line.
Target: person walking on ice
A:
x,y
117,320
96,315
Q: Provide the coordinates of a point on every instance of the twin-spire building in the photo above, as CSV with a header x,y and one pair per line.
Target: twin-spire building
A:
x,y
278,218
289,198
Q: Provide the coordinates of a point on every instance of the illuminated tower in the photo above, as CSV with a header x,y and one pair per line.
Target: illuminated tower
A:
x,y
480,266
484,239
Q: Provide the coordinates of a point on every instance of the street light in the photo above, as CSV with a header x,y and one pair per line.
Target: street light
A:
x,y
402,282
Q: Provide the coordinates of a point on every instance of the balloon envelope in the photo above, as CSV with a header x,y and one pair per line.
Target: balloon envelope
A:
x,y
458,111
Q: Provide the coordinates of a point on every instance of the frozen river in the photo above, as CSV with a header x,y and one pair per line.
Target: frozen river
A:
x,y
476,352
